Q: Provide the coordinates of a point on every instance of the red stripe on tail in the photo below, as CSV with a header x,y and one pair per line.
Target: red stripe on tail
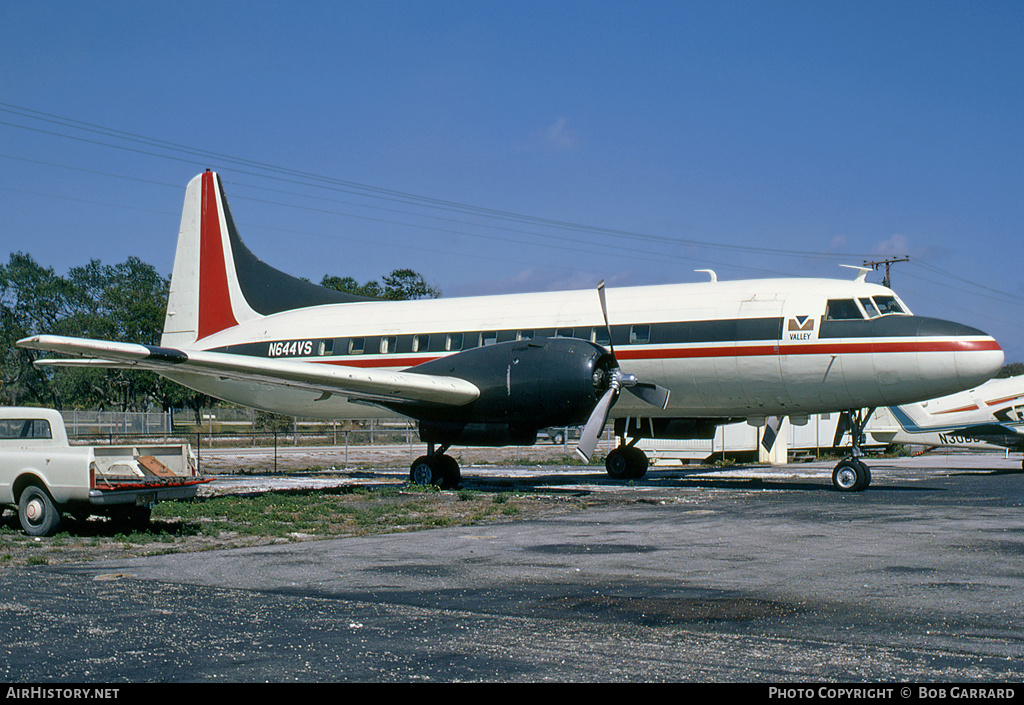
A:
x,y
215,312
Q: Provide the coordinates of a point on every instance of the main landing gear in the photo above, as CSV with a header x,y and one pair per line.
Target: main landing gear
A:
x,y
626,462
851,474
436,468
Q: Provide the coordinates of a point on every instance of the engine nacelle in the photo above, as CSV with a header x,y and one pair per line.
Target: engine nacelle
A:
x,y
525,385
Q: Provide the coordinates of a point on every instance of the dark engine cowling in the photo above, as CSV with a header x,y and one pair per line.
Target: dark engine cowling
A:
x,y
525,385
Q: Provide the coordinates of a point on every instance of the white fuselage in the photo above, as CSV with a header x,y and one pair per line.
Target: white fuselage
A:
x,y
724,349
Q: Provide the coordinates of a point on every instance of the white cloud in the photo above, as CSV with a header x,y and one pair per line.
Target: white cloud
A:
x,y
895,245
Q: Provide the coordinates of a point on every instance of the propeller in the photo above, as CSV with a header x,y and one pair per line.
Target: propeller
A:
x,y
617,380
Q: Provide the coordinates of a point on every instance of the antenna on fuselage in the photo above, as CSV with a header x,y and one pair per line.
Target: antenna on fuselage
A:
x,y
862,272
710,272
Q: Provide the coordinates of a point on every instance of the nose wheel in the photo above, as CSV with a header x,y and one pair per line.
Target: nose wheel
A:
x,y
851,474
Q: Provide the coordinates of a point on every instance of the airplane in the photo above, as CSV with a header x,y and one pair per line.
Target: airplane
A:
x,y
494,370
989,415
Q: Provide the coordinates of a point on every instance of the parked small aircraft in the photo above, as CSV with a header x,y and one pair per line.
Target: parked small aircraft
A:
x,y
493,370
989,415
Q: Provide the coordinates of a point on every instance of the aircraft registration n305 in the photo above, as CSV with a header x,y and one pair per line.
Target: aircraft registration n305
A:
x,y
494,370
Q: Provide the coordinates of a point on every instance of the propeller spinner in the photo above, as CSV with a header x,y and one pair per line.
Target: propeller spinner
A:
x,y
616,379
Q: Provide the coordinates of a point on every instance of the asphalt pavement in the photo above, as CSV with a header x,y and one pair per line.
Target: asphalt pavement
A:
x,y
752,575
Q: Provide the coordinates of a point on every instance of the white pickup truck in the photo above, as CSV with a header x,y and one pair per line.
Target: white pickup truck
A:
x,y
43,475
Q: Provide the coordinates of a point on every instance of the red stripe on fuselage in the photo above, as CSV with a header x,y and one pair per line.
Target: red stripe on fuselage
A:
x,y
922,346
215,312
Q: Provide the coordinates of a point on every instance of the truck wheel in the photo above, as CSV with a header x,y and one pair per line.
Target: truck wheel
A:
x,y
38,513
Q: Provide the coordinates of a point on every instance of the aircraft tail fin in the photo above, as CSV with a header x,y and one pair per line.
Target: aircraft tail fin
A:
x,y
217,283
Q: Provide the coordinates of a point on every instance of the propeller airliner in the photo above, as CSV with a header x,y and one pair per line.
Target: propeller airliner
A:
x,y
494,370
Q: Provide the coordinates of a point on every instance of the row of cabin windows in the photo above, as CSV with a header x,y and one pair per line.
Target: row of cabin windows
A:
x,y
453,342
865,307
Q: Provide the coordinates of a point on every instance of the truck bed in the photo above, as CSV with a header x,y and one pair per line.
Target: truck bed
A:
x,y
144,467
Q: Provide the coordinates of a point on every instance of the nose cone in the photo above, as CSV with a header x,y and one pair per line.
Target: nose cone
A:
x,y
976,356
978,360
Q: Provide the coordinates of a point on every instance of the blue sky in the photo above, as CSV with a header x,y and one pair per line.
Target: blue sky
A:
x,y
524,146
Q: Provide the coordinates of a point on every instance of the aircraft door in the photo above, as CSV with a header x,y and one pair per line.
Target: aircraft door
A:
x,y
758,333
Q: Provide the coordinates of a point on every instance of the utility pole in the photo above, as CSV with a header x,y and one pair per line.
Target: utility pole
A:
x,y
886,282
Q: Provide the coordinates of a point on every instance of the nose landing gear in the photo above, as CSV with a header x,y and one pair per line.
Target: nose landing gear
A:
x,y
851,474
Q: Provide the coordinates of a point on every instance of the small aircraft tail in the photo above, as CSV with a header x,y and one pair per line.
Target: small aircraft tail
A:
x,y
217,283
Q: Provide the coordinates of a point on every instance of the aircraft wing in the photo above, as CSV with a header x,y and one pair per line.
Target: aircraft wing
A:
x,y
354,382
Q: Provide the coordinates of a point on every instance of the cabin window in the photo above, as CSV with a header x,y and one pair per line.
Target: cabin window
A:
x,y
326,347
420,342
454,342
888,304
639,335
388,344
563,333
489,337
842,310
356,346
599,335
24,428
524,335
869,308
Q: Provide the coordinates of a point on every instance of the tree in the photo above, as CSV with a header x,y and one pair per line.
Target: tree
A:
x,y
400,285
404,284
350,286
123,302
33,299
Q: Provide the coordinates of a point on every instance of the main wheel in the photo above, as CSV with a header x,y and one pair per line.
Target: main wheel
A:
x,y
38,513
439,470
851,476
451,476
626,463
424,471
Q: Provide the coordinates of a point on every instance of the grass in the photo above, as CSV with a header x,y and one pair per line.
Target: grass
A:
x,y
259,518
348,511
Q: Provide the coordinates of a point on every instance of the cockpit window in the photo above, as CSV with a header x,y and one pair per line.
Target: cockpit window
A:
x,y
842,310
869,308
888,304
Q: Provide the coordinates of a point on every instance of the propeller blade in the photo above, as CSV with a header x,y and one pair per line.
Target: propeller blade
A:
x,y
595,424
653,394
604,312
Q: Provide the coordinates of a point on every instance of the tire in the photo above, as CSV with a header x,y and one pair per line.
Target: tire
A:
x,y
851,476
638,463
424,472
451,476
442,471
617,464
626,463
38,513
